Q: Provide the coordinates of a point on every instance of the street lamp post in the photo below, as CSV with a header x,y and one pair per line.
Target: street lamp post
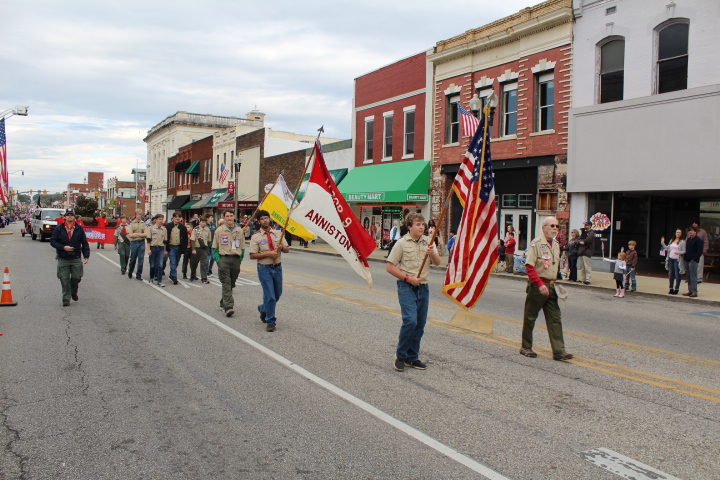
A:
x,y
477,104
238,164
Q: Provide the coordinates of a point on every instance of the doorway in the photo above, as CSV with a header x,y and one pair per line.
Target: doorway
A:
x,y
520,221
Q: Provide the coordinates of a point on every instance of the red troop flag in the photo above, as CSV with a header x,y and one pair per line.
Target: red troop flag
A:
x,y
324,212
475,252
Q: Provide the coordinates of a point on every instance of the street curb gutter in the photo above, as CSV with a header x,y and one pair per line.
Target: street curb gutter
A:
x,y
657,296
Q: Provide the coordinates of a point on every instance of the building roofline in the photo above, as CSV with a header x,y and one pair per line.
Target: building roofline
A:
x,y
199,119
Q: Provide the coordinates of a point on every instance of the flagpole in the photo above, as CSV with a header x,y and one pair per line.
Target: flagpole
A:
x,y
297,190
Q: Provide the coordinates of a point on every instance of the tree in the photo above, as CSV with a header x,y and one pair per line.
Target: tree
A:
x,y
85,207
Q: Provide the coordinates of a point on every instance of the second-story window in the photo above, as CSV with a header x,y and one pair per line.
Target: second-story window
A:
x,y
369,133
672,57
545,102
452,120
387,135
409,137
509,110
612,71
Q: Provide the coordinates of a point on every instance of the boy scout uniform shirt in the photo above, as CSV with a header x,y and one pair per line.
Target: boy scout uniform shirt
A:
x,y
118,232
407,255
137,226
544,257
175,235
229,242
259,244
197,234
157,235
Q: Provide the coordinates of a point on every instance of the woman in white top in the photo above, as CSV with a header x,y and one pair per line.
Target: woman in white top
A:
x,y
675,259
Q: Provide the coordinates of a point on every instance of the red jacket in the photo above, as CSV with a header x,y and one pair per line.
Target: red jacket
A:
x,y
101,221
510,246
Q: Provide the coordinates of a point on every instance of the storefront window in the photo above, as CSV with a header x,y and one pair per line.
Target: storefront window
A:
x,y
509,201
525,200
710,221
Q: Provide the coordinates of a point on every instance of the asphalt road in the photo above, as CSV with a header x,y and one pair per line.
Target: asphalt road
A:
x,y
137,382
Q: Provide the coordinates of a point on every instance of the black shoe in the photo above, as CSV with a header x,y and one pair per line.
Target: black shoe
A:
x,y
399,364
192,279
122,273
262,315
66,303
205,280
184,277
671,291
416,364
270,327
229,312
139,277
129,274
562,356
75,297
586,283
174,280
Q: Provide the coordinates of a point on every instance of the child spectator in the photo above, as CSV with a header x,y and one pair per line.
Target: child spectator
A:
x,y
620,273
451,242
631,261
509,252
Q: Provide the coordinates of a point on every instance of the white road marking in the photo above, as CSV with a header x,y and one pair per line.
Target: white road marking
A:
x,y
623,466
376,412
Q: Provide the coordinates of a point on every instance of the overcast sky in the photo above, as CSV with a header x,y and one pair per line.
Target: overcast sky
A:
x,y
97,75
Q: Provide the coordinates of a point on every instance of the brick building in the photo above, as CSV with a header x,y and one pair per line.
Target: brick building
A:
x,y
189,176
127,195
95,182
525,59
392,171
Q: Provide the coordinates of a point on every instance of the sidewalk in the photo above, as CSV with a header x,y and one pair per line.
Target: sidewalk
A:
x,y
708,293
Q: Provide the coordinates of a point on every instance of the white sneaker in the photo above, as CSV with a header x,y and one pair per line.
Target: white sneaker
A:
x,y
161,285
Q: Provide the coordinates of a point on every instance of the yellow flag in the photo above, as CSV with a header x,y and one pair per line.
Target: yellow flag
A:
x,y
277,202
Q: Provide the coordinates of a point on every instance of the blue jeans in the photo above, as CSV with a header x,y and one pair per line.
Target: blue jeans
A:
x,y
692,269
156,263
174,254
674,269
414,303
137,254
271,281
211,261
630,278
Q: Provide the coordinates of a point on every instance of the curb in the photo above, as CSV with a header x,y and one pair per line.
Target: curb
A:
x,y
657,296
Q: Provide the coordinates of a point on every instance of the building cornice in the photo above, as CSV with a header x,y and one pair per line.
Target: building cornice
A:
x,y
390,100
200,120
504,31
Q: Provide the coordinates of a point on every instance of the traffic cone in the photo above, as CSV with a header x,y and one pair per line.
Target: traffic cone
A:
x,y
7,300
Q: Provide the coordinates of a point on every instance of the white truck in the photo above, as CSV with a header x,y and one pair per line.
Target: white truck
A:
x,y
44,221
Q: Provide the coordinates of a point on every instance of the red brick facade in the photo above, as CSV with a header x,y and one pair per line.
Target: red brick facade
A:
x,y
403,81
197,183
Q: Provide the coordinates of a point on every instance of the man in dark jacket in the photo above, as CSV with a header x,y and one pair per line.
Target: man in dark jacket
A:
x,y
177,242
693,252
585,251
71,244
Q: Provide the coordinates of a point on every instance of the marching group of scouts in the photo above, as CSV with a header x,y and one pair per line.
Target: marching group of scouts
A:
x,y
267,245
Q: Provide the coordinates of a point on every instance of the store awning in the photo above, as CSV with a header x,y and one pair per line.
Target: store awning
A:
x,y
212,199
397,182
178,202
169,199
194,168
182,166
337,175
190,205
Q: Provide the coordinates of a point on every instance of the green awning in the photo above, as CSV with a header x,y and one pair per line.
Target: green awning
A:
x,y
397,182
194,168
189,205
337,175
216,197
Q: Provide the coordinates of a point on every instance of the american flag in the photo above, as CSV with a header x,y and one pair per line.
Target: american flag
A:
x,y
4,175
469,121
475,252
223,173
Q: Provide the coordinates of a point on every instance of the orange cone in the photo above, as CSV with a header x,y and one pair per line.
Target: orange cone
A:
x,y
7,300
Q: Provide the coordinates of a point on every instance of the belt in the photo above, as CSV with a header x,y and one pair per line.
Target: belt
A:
x,y
269,265
548,282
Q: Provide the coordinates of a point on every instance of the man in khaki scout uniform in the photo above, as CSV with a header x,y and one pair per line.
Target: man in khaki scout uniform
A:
x,y
543,261
228,248
201,239
137,245
265,248
157,238
413,292
122,242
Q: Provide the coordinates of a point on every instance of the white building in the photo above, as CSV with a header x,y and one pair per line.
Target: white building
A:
x,y
645,123
165,139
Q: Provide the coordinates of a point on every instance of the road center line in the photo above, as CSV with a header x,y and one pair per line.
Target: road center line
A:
x,y
379,414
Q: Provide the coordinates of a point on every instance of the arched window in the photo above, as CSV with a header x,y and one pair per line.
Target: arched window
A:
x,y
672,56
612,70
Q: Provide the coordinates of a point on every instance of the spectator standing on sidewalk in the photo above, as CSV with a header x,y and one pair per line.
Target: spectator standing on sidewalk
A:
x,y
585,252
674,260
571,250
693,252
702,235
631,259
510,252
620,273
122,243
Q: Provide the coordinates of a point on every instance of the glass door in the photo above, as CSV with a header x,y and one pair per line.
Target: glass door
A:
x,y
520,221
